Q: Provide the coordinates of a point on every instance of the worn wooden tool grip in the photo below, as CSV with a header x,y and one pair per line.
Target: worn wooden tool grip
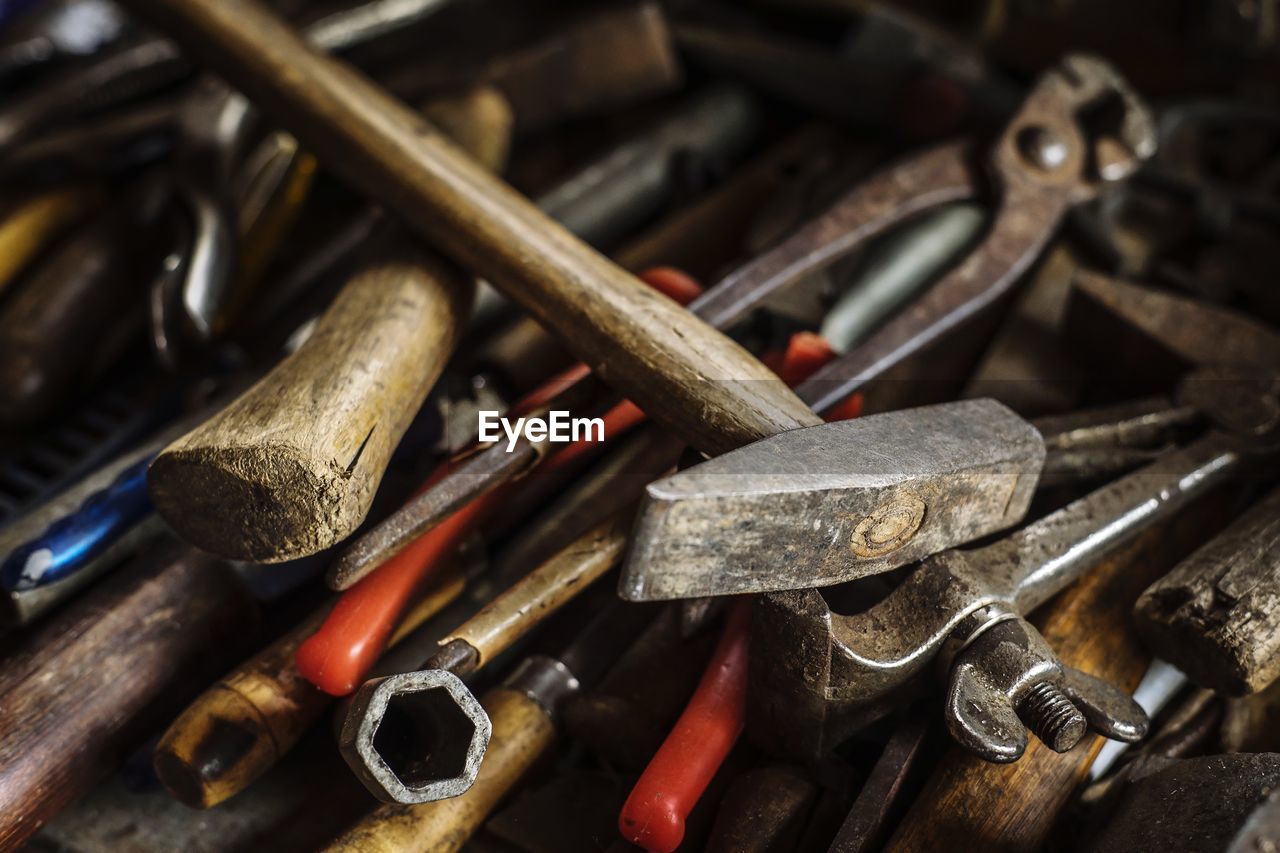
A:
x,y
291,466
694,381
90,685
522,733
972,804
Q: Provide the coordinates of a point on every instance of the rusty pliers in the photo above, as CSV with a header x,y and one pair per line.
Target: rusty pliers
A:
x,y
1080,129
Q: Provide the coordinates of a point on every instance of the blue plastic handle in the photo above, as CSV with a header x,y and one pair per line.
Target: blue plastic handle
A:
x,y
74,540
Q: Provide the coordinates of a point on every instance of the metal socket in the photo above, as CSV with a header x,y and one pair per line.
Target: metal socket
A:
x,y
415,737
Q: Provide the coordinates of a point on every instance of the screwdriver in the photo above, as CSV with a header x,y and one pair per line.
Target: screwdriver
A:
x,y
654,814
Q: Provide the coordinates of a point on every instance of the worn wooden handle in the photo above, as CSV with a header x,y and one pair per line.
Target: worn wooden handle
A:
x,y
694,381
291,466
522,733
545,590
90,685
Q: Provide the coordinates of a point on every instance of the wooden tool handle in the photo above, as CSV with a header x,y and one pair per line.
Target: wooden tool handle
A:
x,y
248,720
89,686
77,306
546,589
291,466
694,381
522,733
971,804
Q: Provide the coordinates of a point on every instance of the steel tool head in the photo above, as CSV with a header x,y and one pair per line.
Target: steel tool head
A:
x,y
434,715
827,504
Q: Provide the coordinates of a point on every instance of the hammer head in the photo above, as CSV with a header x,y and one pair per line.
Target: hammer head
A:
x,y
831,503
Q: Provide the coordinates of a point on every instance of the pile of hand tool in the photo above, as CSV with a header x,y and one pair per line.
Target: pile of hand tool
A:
x,y
552,426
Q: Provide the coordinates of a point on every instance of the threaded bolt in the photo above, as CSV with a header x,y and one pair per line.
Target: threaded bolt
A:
x,y
1053,717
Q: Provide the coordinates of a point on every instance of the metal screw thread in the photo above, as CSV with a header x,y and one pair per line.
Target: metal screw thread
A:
x,y
1053,717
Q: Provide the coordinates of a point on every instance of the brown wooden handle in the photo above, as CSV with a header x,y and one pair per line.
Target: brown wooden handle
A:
x,y
971,804
250,718
291,466
693,380
92,683
522,733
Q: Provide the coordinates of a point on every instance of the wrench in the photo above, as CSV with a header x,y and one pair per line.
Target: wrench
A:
x,y
819,676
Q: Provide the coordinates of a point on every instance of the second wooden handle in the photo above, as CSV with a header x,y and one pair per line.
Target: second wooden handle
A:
x,y
291,466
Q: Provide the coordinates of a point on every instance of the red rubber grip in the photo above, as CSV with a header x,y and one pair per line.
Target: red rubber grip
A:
x,y
655,813
337,657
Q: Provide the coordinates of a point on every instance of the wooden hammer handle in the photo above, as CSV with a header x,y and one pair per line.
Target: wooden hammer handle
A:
x,y
693,381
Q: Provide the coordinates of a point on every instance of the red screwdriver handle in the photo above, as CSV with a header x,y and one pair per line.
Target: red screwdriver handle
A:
x,y
654,815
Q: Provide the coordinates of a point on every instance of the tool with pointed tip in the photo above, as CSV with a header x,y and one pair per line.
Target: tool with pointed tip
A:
x,y
821,675
831,503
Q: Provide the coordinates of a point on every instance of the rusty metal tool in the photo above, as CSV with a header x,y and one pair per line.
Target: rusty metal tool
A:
x,y
963,607
968,803
521,719
392,767
1214,616
1043,163
832,503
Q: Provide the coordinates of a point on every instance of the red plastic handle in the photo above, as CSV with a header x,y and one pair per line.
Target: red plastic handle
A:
x,y
655,813
338,656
